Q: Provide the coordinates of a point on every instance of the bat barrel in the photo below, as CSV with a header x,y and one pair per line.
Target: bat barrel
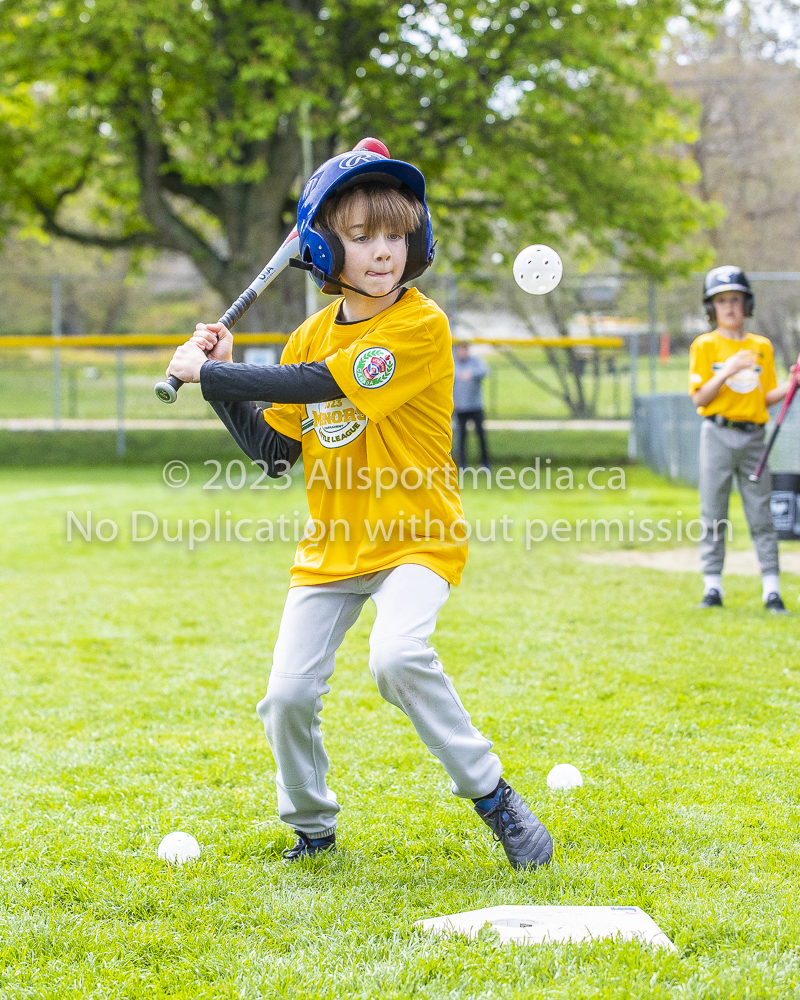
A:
x,y
754,478
167,391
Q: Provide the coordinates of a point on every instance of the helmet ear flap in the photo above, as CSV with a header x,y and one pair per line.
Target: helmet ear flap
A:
x,y
749,303
337,259
418,258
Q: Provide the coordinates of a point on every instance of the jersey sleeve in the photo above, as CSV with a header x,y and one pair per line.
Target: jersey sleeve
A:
x,y
769,380
287,418
390,364
699,365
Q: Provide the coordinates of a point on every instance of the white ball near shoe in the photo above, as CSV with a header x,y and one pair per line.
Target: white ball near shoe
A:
x,y
179,847
563,777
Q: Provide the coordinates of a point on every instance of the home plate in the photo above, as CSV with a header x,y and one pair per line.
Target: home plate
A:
x,y
550,924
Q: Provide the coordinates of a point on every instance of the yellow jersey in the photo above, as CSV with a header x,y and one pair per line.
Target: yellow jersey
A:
x,y
741,398
382,488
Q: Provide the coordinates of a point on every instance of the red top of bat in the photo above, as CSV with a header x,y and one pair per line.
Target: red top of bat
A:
x,y
374,146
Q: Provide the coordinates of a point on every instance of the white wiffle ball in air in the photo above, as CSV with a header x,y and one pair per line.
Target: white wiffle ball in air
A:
x,y
563,777
179,847
537,269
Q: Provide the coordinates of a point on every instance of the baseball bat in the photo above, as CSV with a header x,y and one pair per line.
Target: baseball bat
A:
x,y
167,391
754,478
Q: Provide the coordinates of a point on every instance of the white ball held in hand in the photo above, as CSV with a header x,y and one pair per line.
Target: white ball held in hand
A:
x,y
564,776
538,269
179,847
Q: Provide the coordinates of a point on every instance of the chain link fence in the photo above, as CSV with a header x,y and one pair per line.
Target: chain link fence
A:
x,y
666,436
655,323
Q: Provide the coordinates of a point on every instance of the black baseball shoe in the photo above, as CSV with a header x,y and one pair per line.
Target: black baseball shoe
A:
x,y
524,838
713,599
308,847
775,605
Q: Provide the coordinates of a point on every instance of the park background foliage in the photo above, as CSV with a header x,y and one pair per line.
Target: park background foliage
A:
x,y
177,125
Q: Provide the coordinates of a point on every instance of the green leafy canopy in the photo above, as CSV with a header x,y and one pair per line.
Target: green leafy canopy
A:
x,y
176,124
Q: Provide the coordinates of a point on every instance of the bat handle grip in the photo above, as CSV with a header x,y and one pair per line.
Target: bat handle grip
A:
x,y
239,308
167,391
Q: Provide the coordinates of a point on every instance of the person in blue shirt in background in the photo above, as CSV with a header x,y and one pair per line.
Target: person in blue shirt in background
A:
x,y
468,401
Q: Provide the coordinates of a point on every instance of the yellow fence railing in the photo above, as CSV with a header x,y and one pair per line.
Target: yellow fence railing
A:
x,y
131,340
545,341
173,340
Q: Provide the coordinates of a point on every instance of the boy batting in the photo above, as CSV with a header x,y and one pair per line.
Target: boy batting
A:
x,y
732,382
364,392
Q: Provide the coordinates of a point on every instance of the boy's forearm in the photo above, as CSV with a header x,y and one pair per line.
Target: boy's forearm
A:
x,y
226,382
777,394
257,439
708,393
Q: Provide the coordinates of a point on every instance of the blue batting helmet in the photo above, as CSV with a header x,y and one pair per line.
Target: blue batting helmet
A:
x,y
322,248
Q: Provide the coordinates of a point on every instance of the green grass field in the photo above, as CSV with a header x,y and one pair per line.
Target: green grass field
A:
x,y
54,448
130,676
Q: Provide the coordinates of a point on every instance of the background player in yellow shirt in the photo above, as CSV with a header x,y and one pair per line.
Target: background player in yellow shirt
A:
x,y
364,392
732,382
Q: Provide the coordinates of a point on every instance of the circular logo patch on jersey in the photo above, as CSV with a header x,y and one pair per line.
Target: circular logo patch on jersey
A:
x,y
374,367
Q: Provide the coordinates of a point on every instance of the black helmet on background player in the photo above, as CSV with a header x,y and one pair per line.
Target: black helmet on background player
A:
x,y
726,278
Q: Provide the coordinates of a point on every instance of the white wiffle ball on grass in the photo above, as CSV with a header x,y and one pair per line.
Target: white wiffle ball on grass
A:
x,y
178,848
563,777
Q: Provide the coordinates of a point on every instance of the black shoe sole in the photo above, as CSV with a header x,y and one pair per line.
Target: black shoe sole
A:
x,y
308,855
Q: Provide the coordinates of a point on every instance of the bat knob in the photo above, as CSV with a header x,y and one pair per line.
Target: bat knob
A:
x,y
374,146
167,391
753,478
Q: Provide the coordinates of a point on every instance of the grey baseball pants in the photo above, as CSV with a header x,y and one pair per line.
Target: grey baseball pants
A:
x,y
406,670
725,453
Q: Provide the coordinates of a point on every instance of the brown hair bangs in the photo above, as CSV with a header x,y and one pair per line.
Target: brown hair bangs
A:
x,y
378,207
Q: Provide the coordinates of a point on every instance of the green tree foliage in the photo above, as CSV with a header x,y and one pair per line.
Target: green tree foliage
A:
x,y
176,124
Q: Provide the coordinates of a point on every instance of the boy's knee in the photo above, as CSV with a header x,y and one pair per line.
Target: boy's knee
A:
x,y
284,696
390,659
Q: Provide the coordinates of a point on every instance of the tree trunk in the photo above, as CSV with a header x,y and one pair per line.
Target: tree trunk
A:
x,y
255,227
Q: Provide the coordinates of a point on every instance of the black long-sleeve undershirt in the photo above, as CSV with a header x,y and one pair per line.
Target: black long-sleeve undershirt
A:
x,y
257,439
231,389
309,382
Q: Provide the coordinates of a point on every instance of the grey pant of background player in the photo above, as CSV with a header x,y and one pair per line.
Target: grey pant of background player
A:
x,y
725,453
406,670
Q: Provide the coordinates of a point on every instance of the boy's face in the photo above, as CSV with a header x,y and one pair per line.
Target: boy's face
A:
x,y
374,263
729,307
